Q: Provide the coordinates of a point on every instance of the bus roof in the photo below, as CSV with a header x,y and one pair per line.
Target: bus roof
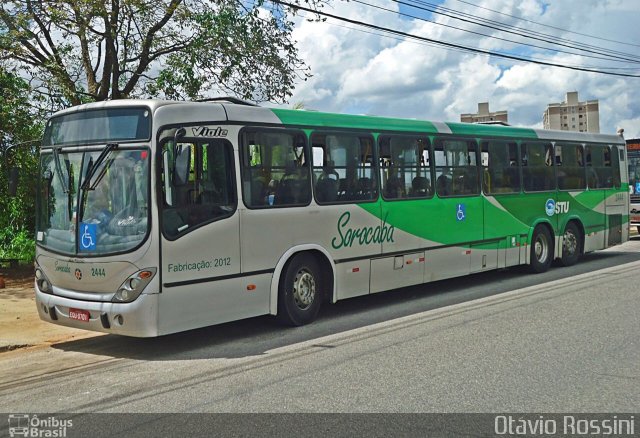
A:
x,y
237,111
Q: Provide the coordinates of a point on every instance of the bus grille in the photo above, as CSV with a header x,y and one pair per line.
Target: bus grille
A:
x,y
635,199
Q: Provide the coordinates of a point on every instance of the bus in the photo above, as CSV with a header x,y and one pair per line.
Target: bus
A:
x,y
155,217
633,155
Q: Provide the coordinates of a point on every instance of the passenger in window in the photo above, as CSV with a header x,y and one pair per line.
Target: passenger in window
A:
x,y
443,183
395,188
420,187
271,192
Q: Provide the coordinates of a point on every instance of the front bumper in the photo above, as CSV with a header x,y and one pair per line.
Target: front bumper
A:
x,y
138,318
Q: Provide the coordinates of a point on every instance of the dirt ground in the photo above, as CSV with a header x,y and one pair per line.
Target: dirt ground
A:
x,y
20,325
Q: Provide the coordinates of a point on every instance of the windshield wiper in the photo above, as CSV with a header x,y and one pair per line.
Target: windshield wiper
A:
x,y
92,168
56,160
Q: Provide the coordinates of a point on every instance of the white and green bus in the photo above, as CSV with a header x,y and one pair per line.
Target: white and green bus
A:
x,y
156,217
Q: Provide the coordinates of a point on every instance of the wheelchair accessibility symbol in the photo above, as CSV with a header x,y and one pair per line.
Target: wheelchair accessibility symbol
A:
x,y
87,236
461,212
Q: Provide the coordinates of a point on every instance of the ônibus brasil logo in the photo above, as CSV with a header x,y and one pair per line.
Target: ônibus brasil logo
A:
x,y
26,425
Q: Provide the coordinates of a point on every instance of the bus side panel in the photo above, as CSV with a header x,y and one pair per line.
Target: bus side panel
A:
x,y
346,231
200,305
353,278
397,271
404,265
448,262
589,207
484,256
506,226
202,281
617,207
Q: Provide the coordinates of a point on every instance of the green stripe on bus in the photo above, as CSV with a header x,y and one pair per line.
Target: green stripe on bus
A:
x,y
329,120
374,123
434,219
477,130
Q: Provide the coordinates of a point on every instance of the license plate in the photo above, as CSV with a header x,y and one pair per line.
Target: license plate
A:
x,y
79,315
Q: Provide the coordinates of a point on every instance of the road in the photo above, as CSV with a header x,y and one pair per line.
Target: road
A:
x,y
507,341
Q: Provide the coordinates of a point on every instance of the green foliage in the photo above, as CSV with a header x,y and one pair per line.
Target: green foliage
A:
x,y
19,123
91,50
20,245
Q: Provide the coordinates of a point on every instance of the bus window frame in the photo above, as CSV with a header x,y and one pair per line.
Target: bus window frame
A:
x,y
558,167
478,164
375,177
554,188
431,171
611,166
242,157
162,205
504,140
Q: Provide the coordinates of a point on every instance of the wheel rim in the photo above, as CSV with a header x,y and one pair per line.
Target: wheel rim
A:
x,y
304,289
541,248
570,243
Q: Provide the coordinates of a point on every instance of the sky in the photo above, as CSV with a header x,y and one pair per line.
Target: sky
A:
x,y
358,71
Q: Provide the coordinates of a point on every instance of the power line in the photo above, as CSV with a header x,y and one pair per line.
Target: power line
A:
x,y
451,49
549,26
496,26
608,58
527,31
448,44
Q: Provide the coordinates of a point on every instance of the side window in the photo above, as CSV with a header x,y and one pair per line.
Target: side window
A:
x,y
501,173
405,167
343,168
537,167
198,184
600,170
275,170
570,167
456,167
615,165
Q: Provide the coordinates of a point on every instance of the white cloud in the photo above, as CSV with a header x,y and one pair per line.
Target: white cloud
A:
x,y
359,72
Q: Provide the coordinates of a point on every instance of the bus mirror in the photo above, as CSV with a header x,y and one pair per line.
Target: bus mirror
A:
x,y
14,175
182,165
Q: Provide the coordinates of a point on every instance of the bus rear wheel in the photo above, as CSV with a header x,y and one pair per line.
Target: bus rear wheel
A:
x,y
300,291
571,245
541,250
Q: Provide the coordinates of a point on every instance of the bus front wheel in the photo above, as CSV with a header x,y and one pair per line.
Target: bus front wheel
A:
x,y
571,245
541,250
300,291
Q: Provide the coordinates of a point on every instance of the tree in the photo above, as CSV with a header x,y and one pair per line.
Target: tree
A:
x,y
76,51
19,126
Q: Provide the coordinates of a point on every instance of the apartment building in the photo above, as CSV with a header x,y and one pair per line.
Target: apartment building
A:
x,y
572,115
485,116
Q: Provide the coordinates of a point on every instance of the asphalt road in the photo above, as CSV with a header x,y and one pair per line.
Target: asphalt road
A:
x,y
507,341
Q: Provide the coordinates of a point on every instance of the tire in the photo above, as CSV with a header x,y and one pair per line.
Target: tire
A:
x,y
638,229
541,250
300,291
571,245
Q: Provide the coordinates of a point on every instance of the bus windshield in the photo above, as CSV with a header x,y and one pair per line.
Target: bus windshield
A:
x,y
93,212
98,126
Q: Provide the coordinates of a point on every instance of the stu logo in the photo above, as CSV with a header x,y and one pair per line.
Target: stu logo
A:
x,y
552,207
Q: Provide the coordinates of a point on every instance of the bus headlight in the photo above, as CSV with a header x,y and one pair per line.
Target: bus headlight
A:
x,y
133,286
43,282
